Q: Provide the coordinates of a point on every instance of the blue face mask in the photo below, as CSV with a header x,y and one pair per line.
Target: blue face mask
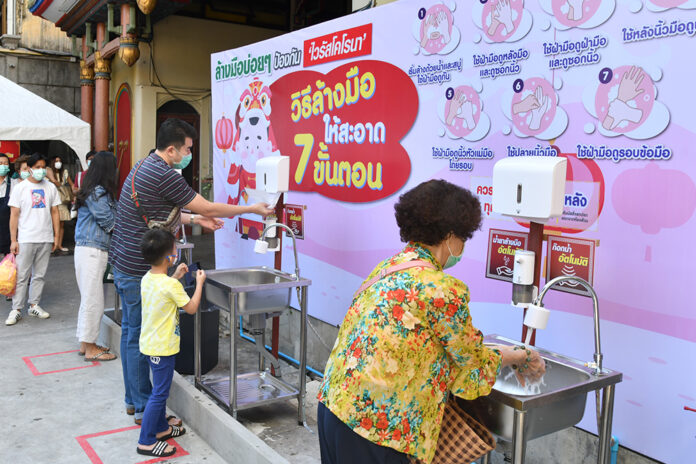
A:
x,y
4,170
38,174
453,259
184,162
24,175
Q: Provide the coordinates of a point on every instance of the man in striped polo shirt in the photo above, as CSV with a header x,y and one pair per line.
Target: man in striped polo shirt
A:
x,y
160,191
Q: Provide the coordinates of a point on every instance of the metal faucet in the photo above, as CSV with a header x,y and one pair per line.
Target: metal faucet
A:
x,y
294,243
597,364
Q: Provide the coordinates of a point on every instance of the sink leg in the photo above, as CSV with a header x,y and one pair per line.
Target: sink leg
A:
x,y
303,358
604,452
519,444
234,301
197,345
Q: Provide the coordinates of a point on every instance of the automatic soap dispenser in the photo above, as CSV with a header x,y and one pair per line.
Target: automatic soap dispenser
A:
x,y
529,187
272,179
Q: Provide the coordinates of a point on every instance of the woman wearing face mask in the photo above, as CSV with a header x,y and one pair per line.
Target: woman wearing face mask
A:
x,y
22,171
60,177
79,179
5,187
408,341
96,215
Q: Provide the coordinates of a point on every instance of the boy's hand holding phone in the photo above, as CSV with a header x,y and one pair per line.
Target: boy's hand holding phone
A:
x,y
180,271
200,277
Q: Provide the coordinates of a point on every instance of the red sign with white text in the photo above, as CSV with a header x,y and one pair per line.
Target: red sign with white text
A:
x,y
343,130
348,43
573,257
294,218
501,252
10,148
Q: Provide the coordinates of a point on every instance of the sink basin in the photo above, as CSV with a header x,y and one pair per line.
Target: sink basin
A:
x,y
258,289
556,404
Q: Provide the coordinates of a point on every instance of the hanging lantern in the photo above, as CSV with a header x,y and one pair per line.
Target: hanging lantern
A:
x,y
224,130
146,6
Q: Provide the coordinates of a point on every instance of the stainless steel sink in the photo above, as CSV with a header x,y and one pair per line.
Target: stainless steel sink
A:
x,y
518,414
257,292
259,289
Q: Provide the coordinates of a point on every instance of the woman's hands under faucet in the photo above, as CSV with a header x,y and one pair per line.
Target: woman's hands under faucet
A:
x,y
527,364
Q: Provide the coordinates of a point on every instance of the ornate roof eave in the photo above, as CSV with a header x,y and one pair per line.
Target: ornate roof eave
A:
x,y
81,12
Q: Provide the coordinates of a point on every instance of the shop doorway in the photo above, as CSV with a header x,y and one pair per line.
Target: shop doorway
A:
x,y
179,109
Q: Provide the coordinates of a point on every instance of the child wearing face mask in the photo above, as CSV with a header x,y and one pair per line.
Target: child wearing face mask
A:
x,y
34,225
161,297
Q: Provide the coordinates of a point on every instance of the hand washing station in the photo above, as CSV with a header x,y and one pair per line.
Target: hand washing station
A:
x,y
515,414
257,292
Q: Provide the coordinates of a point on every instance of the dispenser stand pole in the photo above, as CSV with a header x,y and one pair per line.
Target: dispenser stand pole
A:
x,y
536,242
275,331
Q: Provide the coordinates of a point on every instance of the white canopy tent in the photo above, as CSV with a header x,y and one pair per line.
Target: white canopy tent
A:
x,y
26,116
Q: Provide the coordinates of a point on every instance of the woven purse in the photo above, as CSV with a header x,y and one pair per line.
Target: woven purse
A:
x,y
462,439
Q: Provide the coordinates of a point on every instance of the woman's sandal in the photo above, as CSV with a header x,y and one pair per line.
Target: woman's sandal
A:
x,y
99,357
158,451
176,432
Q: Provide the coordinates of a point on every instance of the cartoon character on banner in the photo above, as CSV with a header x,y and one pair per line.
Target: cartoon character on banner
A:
x,y
253,140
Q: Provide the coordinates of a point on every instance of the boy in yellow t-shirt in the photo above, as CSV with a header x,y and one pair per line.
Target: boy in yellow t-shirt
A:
x,y
162,296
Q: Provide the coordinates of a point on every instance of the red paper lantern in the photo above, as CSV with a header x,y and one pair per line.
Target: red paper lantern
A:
x,y
224,130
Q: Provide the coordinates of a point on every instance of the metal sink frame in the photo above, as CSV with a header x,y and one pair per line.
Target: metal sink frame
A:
x,y
517,416
252,291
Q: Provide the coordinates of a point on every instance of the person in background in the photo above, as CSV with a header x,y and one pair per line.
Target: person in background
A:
x,y
60,177
96,215
5,188
80,177
22,171
34,224
162,296
408,341
161,192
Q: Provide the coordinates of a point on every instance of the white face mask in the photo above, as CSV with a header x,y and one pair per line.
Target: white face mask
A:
x,y
59,165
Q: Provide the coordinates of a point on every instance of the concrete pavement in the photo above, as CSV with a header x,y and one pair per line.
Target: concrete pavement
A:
x,y
57,408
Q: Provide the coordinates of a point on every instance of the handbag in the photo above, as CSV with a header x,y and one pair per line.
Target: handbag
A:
x,y
65,193
462,439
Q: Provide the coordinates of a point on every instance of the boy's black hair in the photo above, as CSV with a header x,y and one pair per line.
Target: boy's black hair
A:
x,y
156,245
34,159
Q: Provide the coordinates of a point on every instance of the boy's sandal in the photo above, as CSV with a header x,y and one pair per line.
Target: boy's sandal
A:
x,y
176,432
178,422
158,451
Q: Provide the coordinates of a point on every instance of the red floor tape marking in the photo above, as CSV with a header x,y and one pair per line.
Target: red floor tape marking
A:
x,y
92,455
35,371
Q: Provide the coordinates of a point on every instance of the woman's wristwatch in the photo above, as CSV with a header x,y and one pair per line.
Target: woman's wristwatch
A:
x,y
192,219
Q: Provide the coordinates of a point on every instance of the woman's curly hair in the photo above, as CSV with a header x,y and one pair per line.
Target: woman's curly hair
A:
x,y
431,211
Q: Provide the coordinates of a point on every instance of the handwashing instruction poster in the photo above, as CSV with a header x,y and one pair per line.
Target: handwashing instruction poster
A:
x,y
370,105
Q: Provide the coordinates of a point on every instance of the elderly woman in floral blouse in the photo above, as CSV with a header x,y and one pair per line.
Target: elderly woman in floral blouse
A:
x,y
408,339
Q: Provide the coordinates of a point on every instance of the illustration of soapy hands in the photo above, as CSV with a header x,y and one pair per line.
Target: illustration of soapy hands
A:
x,y
620,110
575,9
536,114
500,20
501,14
529,103
567,14
434,29
463,108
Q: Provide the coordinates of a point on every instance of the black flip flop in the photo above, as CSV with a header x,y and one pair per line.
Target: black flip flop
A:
x,y
158,451
98,357
176,432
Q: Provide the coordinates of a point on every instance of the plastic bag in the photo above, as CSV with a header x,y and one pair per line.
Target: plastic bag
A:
x,y
8,275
